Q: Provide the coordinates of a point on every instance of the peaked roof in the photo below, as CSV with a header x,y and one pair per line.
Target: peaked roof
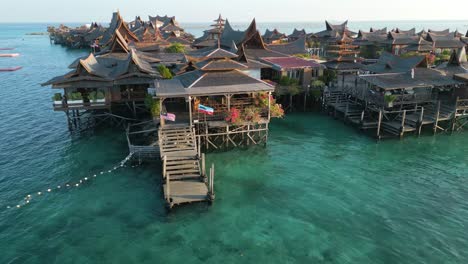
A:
x,y
337,27
458,57
220,65
389,63
220,54
230,35
291,48
118,25
298,33
200,83
91,65
118,43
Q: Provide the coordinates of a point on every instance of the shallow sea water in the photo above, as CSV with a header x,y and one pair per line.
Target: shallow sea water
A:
x,y
320,192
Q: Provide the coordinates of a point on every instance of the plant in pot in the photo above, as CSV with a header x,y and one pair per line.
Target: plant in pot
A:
x,y
389,99
100,97
276,110
252,114
75,98
234,116
57,98
92,97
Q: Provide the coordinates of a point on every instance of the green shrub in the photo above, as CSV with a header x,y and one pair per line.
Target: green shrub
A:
x,y
100,95
75,96
318,84
165,72
153,105
156,108
57,97
389,98
176,48
92,96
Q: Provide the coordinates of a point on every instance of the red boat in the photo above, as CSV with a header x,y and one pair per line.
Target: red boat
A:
x,y
10,69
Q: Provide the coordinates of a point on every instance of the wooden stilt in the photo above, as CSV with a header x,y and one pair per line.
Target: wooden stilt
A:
x,y
402,128
379,124
437,115
421,120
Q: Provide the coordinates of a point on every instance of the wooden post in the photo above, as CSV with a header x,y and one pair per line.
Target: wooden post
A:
x,y
269,106
164,166
228,98
379,124
290,102
437,115
199,144
347,109
336,104
203,165
454,119
212,180
168,189
190,110
403,119
421,119
162,121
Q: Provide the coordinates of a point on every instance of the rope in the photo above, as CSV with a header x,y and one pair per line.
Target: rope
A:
x,y
67,186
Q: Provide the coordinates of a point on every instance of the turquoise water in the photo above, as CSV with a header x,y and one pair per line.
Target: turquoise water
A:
x,y
318,193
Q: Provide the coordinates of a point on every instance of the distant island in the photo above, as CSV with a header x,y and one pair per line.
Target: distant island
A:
x,y
37,34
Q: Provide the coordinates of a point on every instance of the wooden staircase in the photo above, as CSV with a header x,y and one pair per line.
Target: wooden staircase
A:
x,y
184,174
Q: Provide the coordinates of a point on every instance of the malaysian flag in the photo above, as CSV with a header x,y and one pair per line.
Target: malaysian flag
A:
x,y
168,117
205,110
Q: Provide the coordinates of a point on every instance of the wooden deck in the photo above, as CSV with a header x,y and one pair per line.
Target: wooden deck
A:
x,y
184,175
439,115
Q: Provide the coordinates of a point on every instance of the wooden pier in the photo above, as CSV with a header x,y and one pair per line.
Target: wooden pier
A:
x,y
184,170
440,116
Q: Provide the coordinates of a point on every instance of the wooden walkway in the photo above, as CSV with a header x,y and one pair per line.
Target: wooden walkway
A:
x,y
184,172
440,116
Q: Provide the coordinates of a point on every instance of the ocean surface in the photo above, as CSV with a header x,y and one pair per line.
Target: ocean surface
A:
x,y
320,192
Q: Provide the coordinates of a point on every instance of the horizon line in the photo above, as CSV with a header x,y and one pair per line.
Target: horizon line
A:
x,y
260,22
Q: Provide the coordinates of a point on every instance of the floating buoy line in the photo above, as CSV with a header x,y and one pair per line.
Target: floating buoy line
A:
x,y
68,186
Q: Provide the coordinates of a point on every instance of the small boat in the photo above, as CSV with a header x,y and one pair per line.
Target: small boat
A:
x,y
9,55
10,69
7,48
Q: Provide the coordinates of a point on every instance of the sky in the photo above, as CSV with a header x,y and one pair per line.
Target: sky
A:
x,y
189,11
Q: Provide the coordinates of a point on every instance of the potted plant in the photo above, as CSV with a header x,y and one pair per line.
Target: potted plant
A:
x,y
57,98
234,116
92,97
100,97
252,114
276,110
389,99
75,98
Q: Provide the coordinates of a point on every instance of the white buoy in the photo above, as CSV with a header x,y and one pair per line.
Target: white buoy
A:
x,y
49,190
77,185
